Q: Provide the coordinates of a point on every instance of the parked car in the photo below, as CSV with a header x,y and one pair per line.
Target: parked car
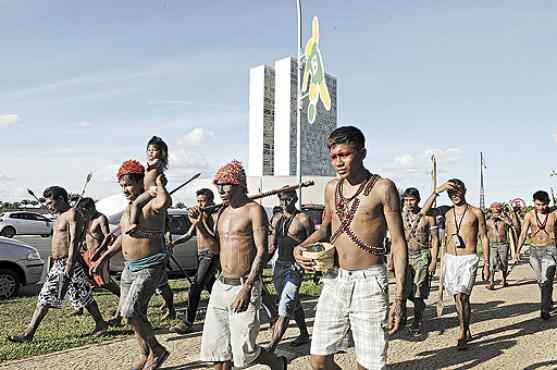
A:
x,y
185,254
24,223
20,265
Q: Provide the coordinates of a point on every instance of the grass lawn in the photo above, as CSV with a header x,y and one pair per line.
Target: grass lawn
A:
x,y
60,330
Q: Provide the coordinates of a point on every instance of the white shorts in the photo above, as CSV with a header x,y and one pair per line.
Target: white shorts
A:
x,y
353,303
460,273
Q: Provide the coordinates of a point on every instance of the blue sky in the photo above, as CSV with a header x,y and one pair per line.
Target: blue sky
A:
x,y
85,84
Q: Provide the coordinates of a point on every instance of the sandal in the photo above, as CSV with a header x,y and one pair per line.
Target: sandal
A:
x,y
20,338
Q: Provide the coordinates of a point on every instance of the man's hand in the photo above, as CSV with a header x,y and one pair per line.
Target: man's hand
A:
x,y
306,263
445,186
432,267
485,272
94,267
195,215
395,316
241,301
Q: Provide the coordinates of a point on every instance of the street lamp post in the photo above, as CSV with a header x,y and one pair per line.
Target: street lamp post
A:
x,y
299,104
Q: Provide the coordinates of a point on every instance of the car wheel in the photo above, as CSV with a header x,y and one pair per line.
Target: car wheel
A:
x,y
8,232
45,235
9,283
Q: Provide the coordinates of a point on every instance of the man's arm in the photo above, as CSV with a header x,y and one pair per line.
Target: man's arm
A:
x,y
105,229
321,235
399,249
485,242
111,251
163,199
273,240
184,238
523,235
433,227
75,228
307,223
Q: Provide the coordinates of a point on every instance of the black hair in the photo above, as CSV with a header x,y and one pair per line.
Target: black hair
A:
x,y
347,135
86,203
56,192
207,192
459,184
541,196
160,145
412,192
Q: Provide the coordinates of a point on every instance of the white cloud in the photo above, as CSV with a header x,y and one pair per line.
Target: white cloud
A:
x,y
85,124
8,119
5,178
196,137
420,163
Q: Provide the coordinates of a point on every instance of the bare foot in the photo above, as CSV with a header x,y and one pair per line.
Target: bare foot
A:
x,y
156,360
139,363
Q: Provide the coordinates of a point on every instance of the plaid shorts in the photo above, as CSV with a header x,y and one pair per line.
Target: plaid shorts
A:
x,y
79,290
353,304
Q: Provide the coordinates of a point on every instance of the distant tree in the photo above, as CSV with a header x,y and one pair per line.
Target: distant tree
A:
x,y
180,205
34,203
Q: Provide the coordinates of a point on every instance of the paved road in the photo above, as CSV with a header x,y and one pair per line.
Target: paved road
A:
x,y
508,334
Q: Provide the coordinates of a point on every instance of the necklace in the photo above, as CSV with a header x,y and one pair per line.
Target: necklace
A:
x,y
348,206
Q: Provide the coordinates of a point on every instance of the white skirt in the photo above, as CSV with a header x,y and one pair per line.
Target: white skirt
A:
x,y
460,273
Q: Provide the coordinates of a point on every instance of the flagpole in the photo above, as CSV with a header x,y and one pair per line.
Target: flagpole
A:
x,y
482,194
299,104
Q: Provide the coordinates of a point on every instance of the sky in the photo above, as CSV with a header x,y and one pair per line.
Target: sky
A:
x,y
84,85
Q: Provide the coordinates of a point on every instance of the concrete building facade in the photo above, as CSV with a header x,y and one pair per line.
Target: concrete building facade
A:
x,y
272,124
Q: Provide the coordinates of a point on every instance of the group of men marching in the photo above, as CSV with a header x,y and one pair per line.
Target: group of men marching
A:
x,y
236,241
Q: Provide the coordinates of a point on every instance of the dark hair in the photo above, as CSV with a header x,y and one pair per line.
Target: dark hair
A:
x,y
56,192
412,192
459,184
541,196
86,203
207,192
292,193
347,135
160,145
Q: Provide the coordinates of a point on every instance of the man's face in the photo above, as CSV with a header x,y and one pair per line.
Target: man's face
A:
x,y
410,203
203,201
55,205
345,159
131,189
287,201
456,196
227,192
495,212
541,207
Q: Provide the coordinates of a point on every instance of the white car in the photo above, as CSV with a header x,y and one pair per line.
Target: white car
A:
x,y
24,223
20,265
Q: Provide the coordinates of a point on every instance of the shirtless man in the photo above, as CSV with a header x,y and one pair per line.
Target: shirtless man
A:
x,y
361,207
499,226
202,226
146,257
420,229
290,227
541,223
66,276
232,319
463,224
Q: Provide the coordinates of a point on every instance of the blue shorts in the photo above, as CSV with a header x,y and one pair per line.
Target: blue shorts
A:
x,y
287,283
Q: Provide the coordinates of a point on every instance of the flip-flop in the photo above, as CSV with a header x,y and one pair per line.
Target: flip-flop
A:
x,y
157,363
